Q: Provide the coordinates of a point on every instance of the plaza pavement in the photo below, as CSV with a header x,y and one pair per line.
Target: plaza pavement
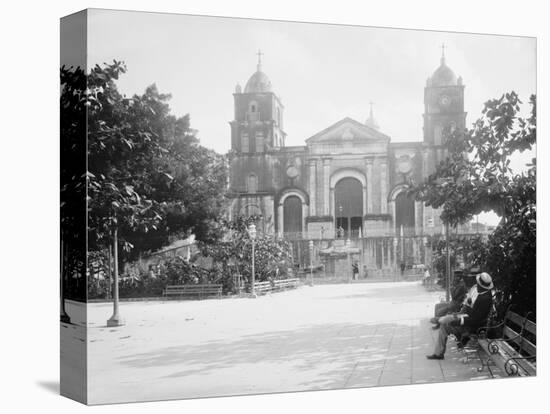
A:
x,y
311,338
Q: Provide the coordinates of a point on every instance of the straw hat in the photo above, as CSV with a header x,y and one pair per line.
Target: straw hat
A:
x,y
484,280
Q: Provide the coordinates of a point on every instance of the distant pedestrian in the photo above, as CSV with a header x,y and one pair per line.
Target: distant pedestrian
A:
x,y
426,278
403,266
355,270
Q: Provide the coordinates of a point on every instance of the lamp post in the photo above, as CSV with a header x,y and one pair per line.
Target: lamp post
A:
x,y
115,320
448,263
311,262
341,218
252,234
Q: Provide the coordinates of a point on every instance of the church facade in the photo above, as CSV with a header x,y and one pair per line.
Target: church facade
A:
x,y
349,180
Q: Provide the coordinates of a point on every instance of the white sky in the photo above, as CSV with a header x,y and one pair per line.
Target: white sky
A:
x,y
323,73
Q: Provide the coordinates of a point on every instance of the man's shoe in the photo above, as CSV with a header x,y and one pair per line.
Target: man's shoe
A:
x,y
435,327
434,356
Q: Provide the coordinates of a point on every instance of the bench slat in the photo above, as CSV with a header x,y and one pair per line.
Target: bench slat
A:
x,y
527,346
530,326
199,291
507,355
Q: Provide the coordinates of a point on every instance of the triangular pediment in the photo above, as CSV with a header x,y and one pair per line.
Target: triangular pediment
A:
x,y
347,130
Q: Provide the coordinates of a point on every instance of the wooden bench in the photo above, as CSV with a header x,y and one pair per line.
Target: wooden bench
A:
x,y
197,291
514,351
262,287
276,285
284,284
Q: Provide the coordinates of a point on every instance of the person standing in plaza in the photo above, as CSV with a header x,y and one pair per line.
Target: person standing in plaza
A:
x,y
355,270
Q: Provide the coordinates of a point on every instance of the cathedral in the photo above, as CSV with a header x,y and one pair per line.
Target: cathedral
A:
x,y
350,176
349,180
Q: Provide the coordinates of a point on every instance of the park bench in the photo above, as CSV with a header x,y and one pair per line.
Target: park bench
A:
x,y
284,284
514,351
195,291
276,285
262,287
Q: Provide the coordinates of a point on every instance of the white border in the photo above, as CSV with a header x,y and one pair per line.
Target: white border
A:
x,y
30,56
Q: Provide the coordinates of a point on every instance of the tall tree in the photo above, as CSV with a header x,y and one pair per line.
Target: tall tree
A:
x,y
147,175
476,177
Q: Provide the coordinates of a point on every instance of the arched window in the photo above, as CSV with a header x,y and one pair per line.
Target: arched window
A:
x,y
252,183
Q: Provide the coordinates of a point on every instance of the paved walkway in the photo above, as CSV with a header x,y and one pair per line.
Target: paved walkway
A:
x,y
325,337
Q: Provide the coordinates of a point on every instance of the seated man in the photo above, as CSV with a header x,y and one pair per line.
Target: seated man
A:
x,y
472,316
458,295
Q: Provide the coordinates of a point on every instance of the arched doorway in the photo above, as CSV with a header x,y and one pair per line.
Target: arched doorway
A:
x,y
292,216
348,203
404,214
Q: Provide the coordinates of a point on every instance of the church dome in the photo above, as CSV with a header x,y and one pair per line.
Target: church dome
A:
x,y
443,75
258,82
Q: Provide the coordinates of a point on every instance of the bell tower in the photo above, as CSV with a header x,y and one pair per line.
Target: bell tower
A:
x,y
257,126
443,103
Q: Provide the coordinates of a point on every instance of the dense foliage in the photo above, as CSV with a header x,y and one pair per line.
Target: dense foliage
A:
x,y
173,271
476,177
147,175
465,252
233,254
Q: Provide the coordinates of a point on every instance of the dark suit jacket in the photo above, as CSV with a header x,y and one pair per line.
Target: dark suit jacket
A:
x,y
479,312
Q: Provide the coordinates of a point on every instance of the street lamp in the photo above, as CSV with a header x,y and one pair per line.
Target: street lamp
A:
x,y
252,234
115,319
448,263
311,261
341,220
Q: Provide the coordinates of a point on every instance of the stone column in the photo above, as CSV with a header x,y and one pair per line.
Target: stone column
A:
x,y
326,186
304,227
382,253
312,187
366,199
383,186
368,165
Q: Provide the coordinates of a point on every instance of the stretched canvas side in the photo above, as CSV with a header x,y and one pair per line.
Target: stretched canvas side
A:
x,y
73,291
